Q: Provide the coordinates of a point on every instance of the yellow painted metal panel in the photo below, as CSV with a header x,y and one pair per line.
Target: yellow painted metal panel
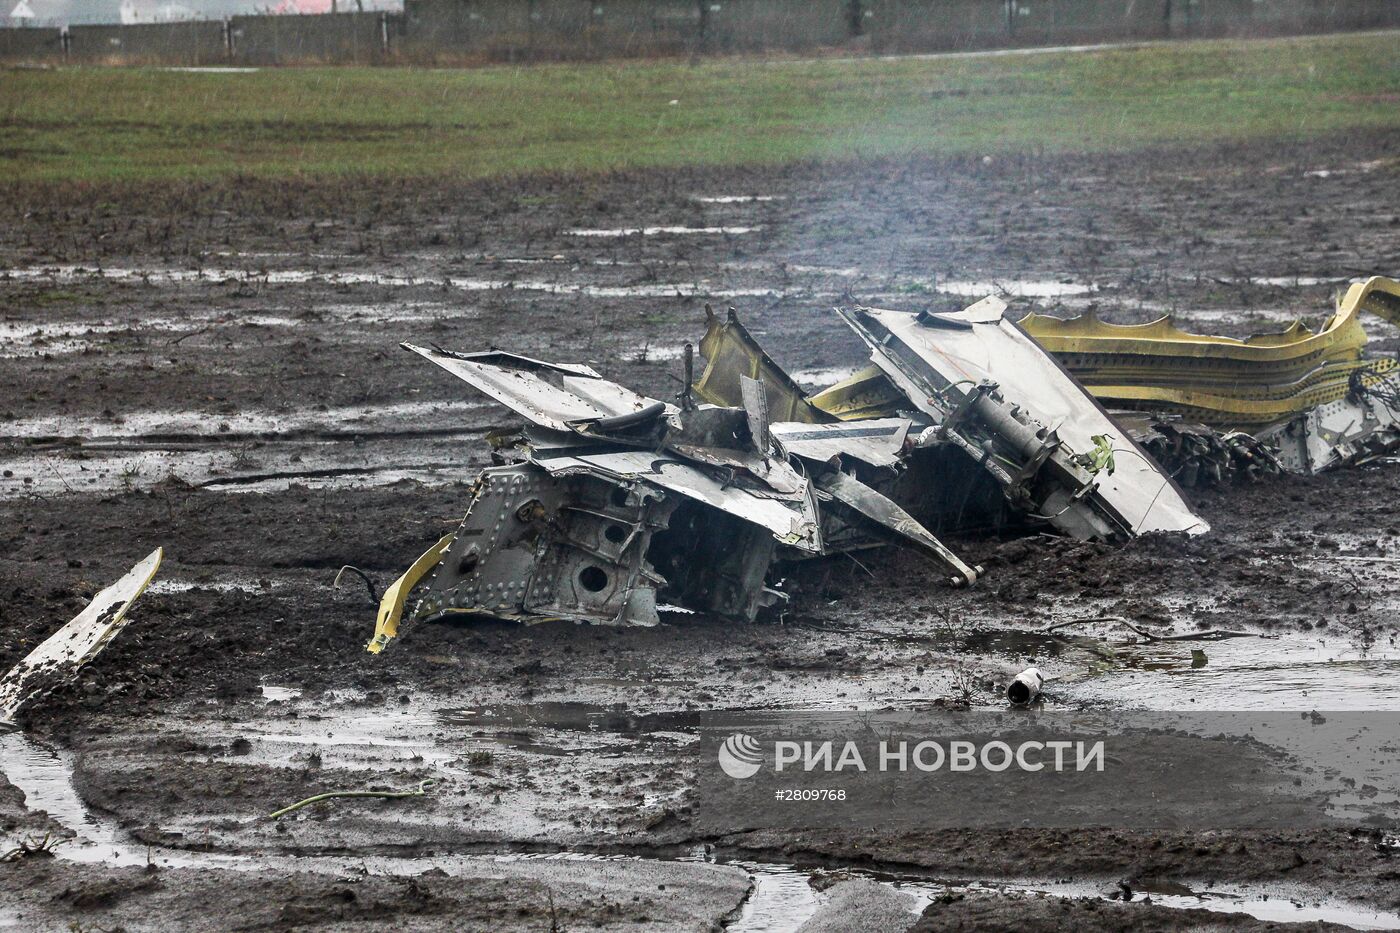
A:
x,y
1223,381
392,603
730,352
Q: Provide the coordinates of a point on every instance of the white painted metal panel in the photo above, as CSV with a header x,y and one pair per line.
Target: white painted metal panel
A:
x,y
980,344
792,519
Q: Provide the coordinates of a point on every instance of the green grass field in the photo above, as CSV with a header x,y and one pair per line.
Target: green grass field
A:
x,y
146,124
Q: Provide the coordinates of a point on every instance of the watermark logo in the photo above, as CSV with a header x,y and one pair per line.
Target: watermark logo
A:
x,y
740,756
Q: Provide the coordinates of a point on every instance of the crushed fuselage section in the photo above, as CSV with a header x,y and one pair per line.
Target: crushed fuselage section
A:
x,y
535,546
606,506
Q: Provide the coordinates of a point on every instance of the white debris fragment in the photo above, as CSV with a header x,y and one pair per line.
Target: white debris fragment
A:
x,y
60,655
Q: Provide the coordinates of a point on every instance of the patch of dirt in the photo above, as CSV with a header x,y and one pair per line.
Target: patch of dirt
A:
x,y
311,286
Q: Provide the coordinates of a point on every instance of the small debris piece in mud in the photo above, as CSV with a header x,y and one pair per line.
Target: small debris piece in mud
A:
x,y
60,656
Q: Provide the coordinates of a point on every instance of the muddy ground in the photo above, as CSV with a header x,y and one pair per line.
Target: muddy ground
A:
x,y
213,368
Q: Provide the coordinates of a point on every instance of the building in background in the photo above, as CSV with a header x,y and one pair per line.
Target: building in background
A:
x,y
31,12
154,11
302,6
83,12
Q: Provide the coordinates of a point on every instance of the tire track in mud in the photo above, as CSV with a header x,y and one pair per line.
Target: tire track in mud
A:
x,y
241,452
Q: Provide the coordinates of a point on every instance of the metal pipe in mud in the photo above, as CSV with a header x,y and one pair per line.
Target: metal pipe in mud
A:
x,y
1025,687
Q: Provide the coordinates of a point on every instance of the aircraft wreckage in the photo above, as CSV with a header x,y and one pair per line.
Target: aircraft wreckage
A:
x,y
609,506
606,504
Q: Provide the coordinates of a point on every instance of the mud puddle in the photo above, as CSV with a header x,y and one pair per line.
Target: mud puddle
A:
x,y
1295,281
213,276
168,585
822,377
246,451
250,467
260,424
812,281
1099,666
1284,674
57,338
782,896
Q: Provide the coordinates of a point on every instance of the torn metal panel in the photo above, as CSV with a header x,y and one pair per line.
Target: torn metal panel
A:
x,y
60,655
1196,455
877,442
609,396
1360,426
724,438
998,395
1340,336
791,518
391,604
756,410
890,522
731,353
1223,382
524,386
535,546
582,546
714,562
867,394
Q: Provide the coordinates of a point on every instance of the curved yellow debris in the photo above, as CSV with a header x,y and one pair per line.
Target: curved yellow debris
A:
x,y
1341,332
1223,381
392,603
867,394
731,352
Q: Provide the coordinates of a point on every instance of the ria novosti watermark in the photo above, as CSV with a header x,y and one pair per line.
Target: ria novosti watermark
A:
x,y
742,756
1148,770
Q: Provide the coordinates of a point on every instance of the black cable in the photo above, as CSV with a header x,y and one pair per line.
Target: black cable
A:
x,y
373,593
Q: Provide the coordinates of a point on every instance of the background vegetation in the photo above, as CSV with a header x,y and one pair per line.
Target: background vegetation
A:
x,y
151,124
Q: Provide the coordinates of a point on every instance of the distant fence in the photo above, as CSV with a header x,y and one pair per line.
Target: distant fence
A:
x,y
470,31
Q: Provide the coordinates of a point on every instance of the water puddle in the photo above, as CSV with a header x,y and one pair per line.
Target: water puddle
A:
x,y
264,423
1295,672
458,283
782,899
401,312
655,353
45,775
1297,909
167,586
782,896
737,198
676,290
1187,319
1293,281
255,450
235,468
823,377
276,254
1013,288
661,231
22,338
428,475
213,69
1362,167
